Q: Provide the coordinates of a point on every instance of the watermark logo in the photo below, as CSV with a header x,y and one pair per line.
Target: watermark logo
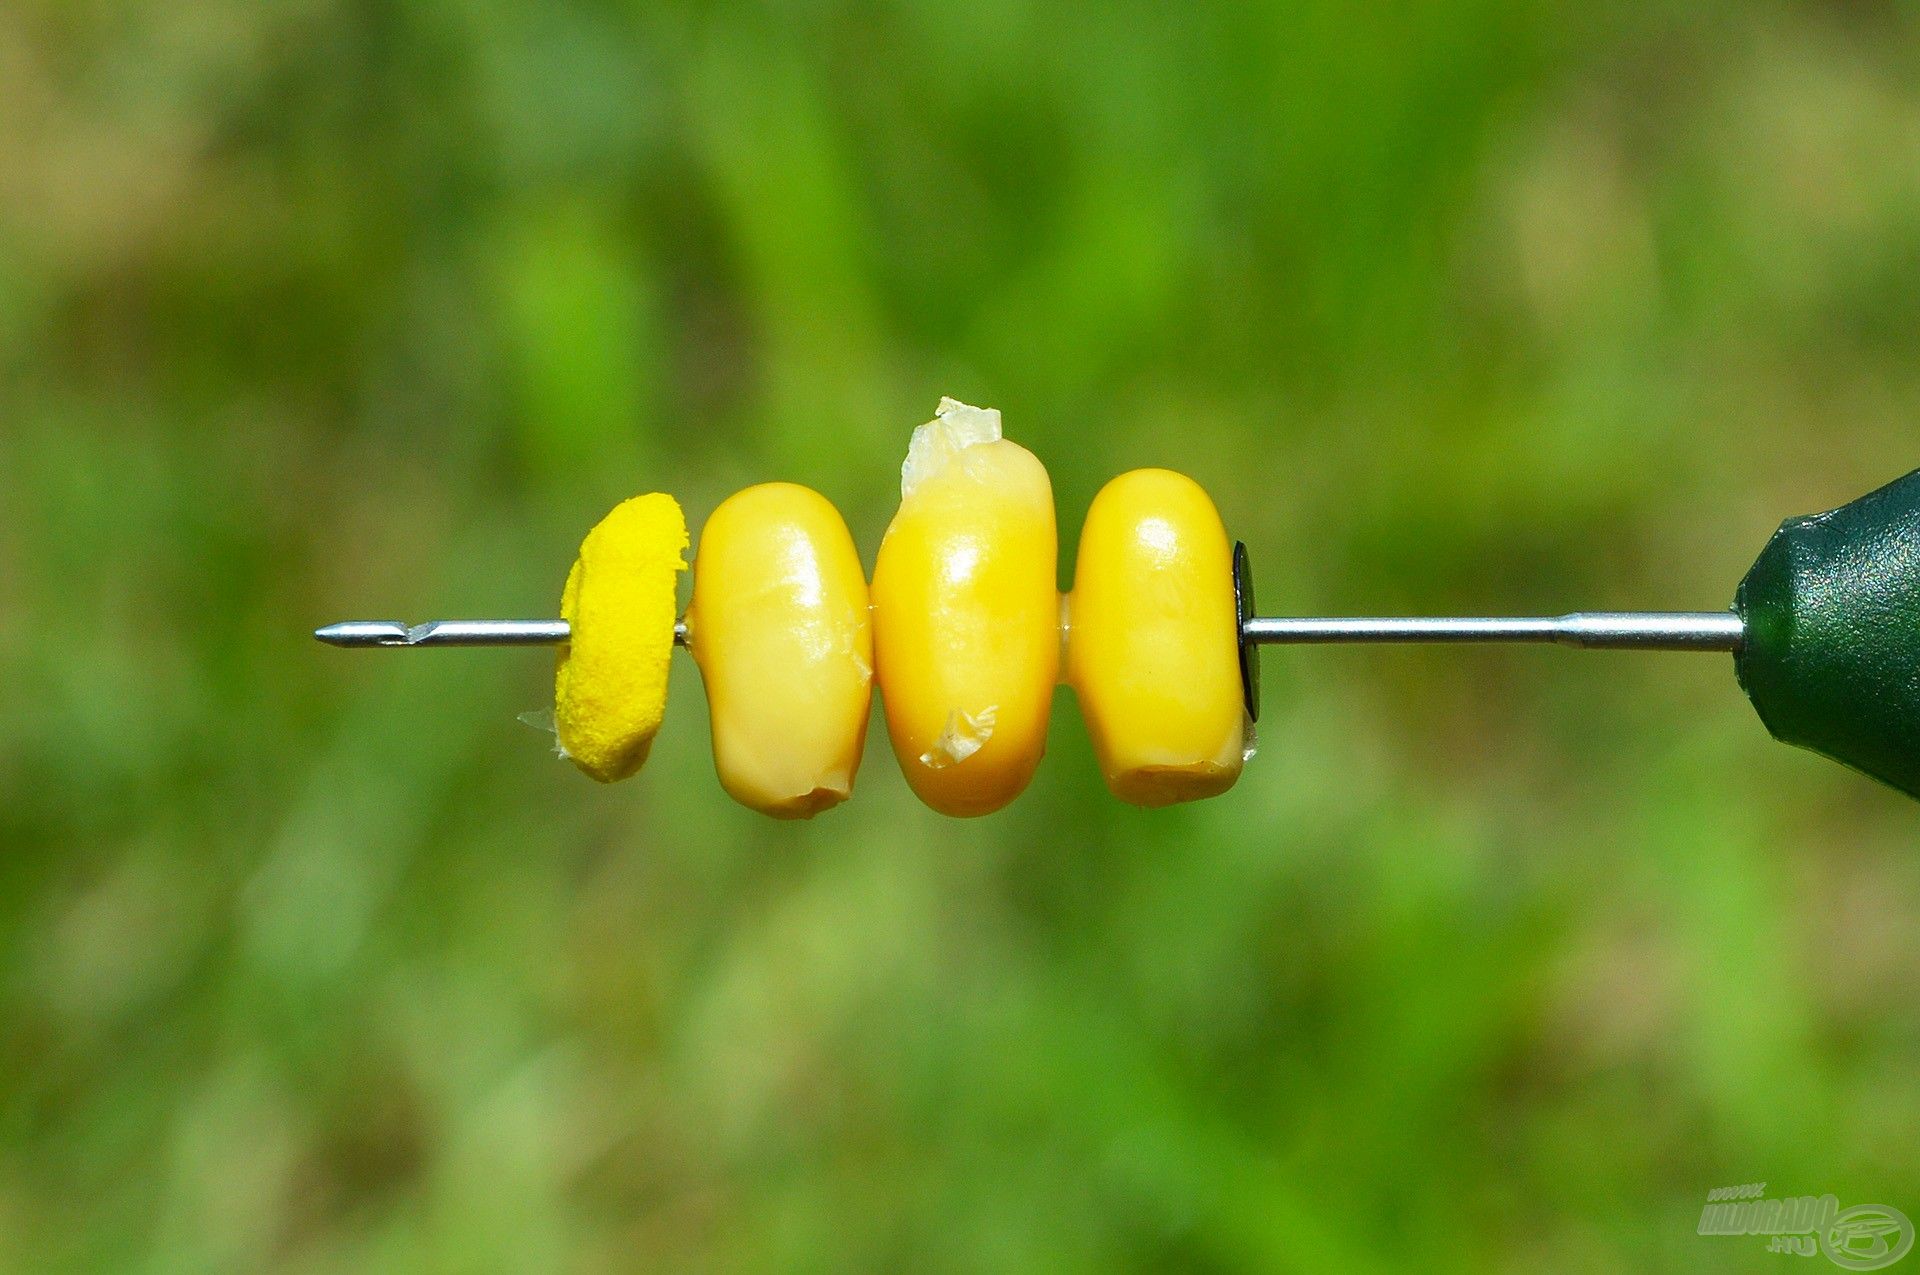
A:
x,y
1866,1237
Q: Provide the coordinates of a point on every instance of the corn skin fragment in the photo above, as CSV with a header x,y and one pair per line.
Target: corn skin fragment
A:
x,y
610,687
780,630
1153,647
966,614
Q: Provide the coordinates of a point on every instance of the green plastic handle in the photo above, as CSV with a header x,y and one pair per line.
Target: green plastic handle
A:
x,y
1832,653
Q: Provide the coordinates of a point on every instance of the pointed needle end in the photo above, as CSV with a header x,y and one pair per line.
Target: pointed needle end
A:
x,y
363,633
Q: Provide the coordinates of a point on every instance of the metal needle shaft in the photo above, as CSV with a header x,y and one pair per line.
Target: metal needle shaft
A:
x,y
1643,630
355,633
444,633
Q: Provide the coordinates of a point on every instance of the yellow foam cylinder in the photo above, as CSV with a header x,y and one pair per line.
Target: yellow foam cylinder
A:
x,y
966,613
610,686
1153,650
779,627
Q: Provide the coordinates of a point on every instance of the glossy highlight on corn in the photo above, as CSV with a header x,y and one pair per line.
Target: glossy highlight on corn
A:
x,y
779,627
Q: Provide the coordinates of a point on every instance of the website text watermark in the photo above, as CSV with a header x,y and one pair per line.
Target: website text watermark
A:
x,y
1866,1237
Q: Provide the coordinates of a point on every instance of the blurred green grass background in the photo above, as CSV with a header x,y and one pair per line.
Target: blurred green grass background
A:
x,y
319,962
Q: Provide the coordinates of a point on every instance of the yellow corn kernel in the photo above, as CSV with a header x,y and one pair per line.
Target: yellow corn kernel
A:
x,y
967,615
779,628
1153,649
610,690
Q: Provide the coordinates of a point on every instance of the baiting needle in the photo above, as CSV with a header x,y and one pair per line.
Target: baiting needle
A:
x,y
1824,630
1643,630
1615,630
